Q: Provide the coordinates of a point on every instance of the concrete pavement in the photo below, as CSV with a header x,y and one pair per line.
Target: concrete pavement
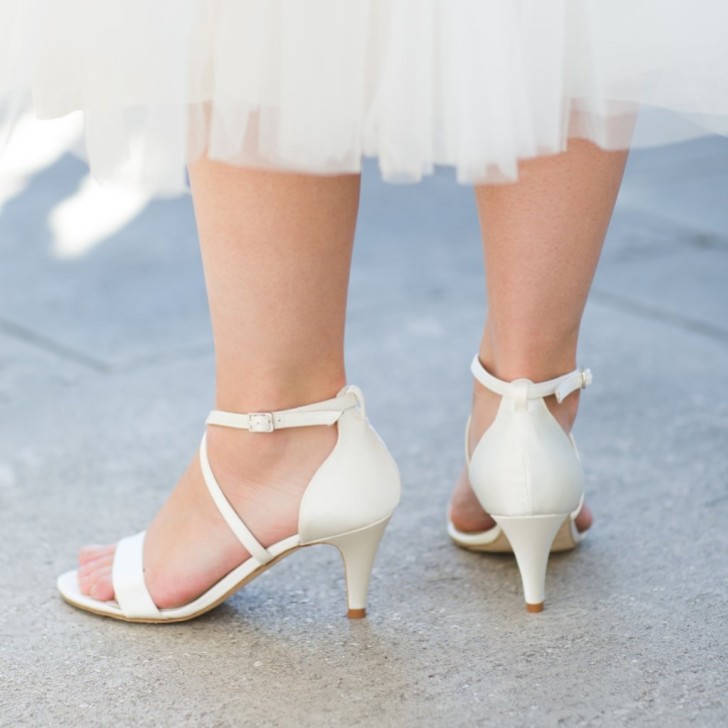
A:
x,y
105,378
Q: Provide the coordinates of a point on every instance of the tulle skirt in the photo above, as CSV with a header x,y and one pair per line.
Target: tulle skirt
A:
x,y
316,85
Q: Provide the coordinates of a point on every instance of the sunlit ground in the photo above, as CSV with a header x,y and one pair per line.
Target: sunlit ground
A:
x,y
92,213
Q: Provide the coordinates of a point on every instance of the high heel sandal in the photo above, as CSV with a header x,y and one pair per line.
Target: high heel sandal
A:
x,y
526,473
347,504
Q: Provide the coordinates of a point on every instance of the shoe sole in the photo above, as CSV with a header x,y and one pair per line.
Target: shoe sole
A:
x,y
567,539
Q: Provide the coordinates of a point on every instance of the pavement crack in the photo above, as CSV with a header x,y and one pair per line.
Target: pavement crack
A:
x,y
654,313
721,500
50,346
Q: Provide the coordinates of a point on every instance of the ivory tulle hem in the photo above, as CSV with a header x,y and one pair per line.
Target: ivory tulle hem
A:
x,y
314,86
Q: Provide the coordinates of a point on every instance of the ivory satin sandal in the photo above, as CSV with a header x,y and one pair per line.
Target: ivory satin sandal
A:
x,y
347,504
526,473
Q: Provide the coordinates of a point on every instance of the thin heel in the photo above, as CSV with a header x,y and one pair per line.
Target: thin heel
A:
x,y
358,549
531,538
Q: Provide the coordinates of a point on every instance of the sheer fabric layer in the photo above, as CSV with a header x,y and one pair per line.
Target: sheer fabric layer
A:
x,y
315,85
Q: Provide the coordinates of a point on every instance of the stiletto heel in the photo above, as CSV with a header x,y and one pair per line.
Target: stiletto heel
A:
x,y
347,503
526,473
531,538
358,550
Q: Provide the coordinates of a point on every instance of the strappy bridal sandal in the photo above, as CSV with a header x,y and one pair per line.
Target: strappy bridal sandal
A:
x,y
526,473
347,504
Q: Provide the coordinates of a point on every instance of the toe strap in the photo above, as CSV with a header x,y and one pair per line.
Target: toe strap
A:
x,y
127,575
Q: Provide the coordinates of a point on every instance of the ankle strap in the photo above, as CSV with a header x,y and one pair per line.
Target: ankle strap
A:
x,y
318,413
561,387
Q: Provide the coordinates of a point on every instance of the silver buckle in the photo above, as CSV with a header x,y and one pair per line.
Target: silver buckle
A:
x,y
261,422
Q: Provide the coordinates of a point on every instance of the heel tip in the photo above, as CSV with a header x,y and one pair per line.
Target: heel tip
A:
x,y
356,613
534,608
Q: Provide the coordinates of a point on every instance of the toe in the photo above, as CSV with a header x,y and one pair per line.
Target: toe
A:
x,y
91,572
93,552
90,567
101,587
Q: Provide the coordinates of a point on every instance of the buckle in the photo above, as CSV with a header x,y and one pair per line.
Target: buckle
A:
x,y
261,422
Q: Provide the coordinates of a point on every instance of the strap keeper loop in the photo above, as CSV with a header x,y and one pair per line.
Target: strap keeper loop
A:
x,y
261,422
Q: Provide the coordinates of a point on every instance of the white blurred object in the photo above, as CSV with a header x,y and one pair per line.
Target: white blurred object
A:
x,y
91,215
33,146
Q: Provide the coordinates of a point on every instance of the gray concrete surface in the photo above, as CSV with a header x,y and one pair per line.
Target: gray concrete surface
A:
x,y
105,378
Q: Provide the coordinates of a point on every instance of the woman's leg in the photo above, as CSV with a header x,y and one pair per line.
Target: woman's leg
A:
x,y
276,249
542,238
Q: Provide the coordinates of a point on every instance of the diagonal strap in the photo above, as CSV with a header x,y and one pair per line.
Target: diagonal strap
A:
x,y
319,413
251,544
127,576
561,387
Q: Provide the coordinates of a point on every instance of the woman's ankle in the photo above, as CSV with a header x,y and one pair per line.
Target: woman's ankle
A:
x,y
271,459
277,390
538,354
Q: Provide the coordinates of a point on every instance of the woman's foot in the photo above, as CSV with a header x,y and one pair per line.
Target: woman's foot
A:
x,y
188,546
466,513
